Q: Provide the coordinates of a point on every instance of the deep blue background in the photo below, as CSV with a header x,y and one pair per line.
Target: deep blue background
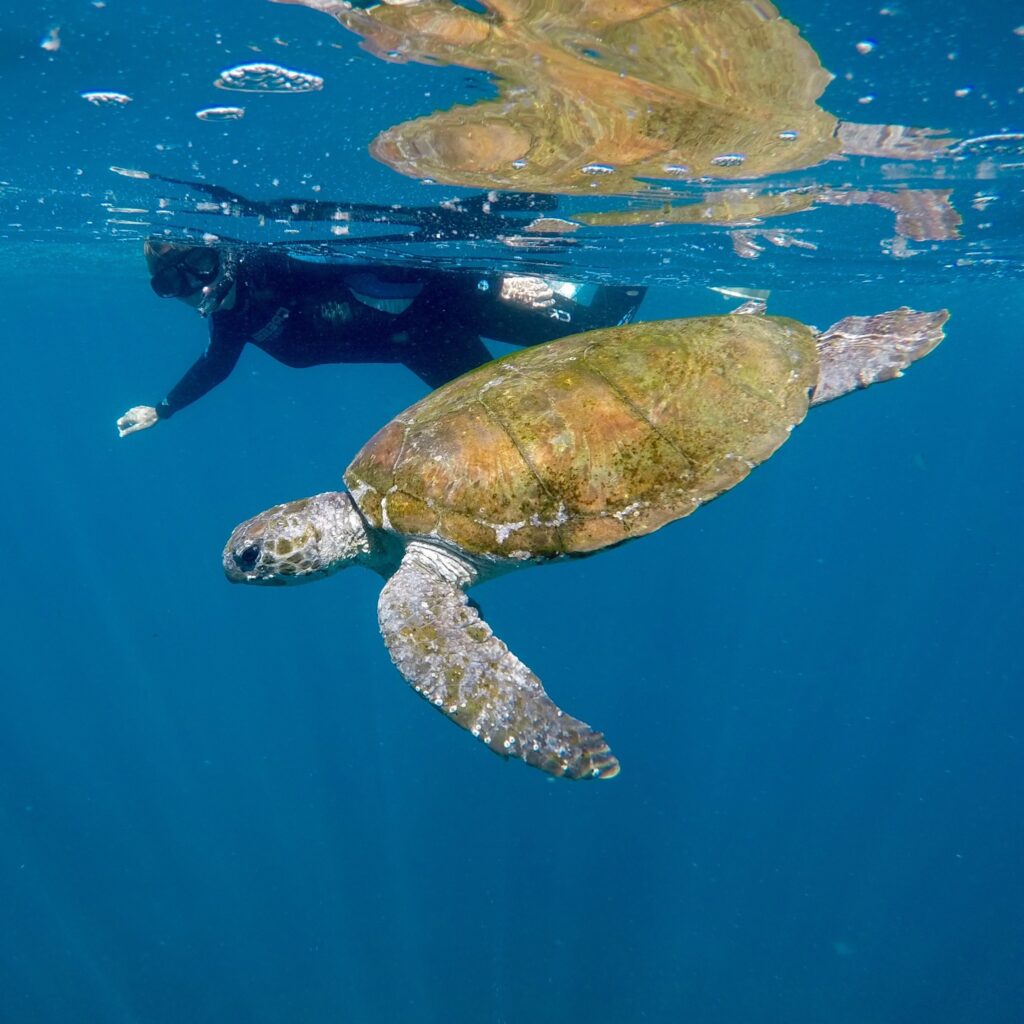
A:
x,y
220,803
223,804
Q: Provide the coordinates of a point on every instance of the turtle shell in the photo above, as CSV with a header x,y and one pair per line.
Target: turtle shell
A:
x,y
590,440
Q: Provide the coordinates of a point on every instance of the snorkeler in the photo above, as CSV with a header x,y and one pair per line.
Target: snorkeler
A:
x,y
306,313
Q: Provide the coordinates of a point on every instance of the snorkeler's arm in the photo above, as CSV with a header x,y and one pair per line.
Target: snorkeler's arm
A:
x,y
213,367
209,370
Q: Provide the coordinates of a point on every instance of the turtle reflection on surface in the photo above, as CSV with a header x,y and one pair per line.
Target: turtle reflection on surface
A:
x,y
921,214
594,95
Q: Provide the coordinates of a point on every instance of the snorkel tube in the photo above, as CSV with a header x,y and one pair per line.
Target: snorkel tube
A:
x,y
217,291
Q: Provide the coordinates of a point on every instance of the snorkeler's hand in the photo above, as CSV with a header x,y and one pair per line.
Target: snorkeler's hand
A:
x,y
527,290
138,417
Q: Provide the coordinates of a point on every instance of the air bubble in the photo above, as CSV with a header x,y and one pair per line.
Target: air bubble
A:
x,y
789,135
680,169
598,169
106,99
267,78
728,159
221,113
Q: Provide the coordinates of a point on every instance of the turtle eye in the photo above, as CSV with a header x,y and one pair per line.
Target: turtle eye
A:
x,y
247,558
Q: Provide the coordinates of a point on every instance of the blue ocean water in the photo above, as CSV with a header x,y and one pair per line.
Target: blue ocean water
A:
x,y
223,804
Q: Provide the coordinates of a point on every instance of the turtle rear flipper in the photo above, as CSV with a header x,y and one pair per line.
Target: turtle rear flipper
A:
x,y
449,655
892,141
862,350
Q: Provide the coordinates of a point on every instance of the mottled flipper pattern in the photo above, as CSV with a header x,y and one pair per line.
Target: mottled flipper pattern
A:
x,y
449,655
862,350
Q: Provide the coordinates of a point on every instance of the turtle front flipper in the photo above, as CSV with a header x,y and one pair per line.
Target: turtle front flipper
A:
x,y
438,641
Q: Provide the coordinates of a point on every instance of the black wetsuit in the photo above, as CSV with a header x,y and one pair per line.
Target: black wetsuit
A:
x,y
307,314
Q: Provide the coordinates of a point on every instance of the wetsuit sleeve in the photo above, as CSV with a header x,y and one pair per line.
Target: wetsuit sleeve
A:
x,y
209,370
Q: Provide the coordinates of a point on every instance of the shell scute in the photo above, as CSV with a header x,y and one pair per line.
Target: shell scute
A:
x,y
375,476
589,448
412,512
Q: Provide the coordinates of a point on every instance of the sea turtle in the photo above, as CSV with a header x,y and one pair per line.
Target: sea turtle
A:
x,y
551,452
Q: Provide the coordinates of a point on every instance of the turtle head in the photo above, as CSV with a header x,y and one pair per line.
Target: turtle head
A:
x,y
297,542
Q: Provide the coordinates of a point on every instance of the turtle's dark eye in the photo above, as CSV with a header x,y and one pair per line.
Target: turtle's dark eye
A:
x,y
247,558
